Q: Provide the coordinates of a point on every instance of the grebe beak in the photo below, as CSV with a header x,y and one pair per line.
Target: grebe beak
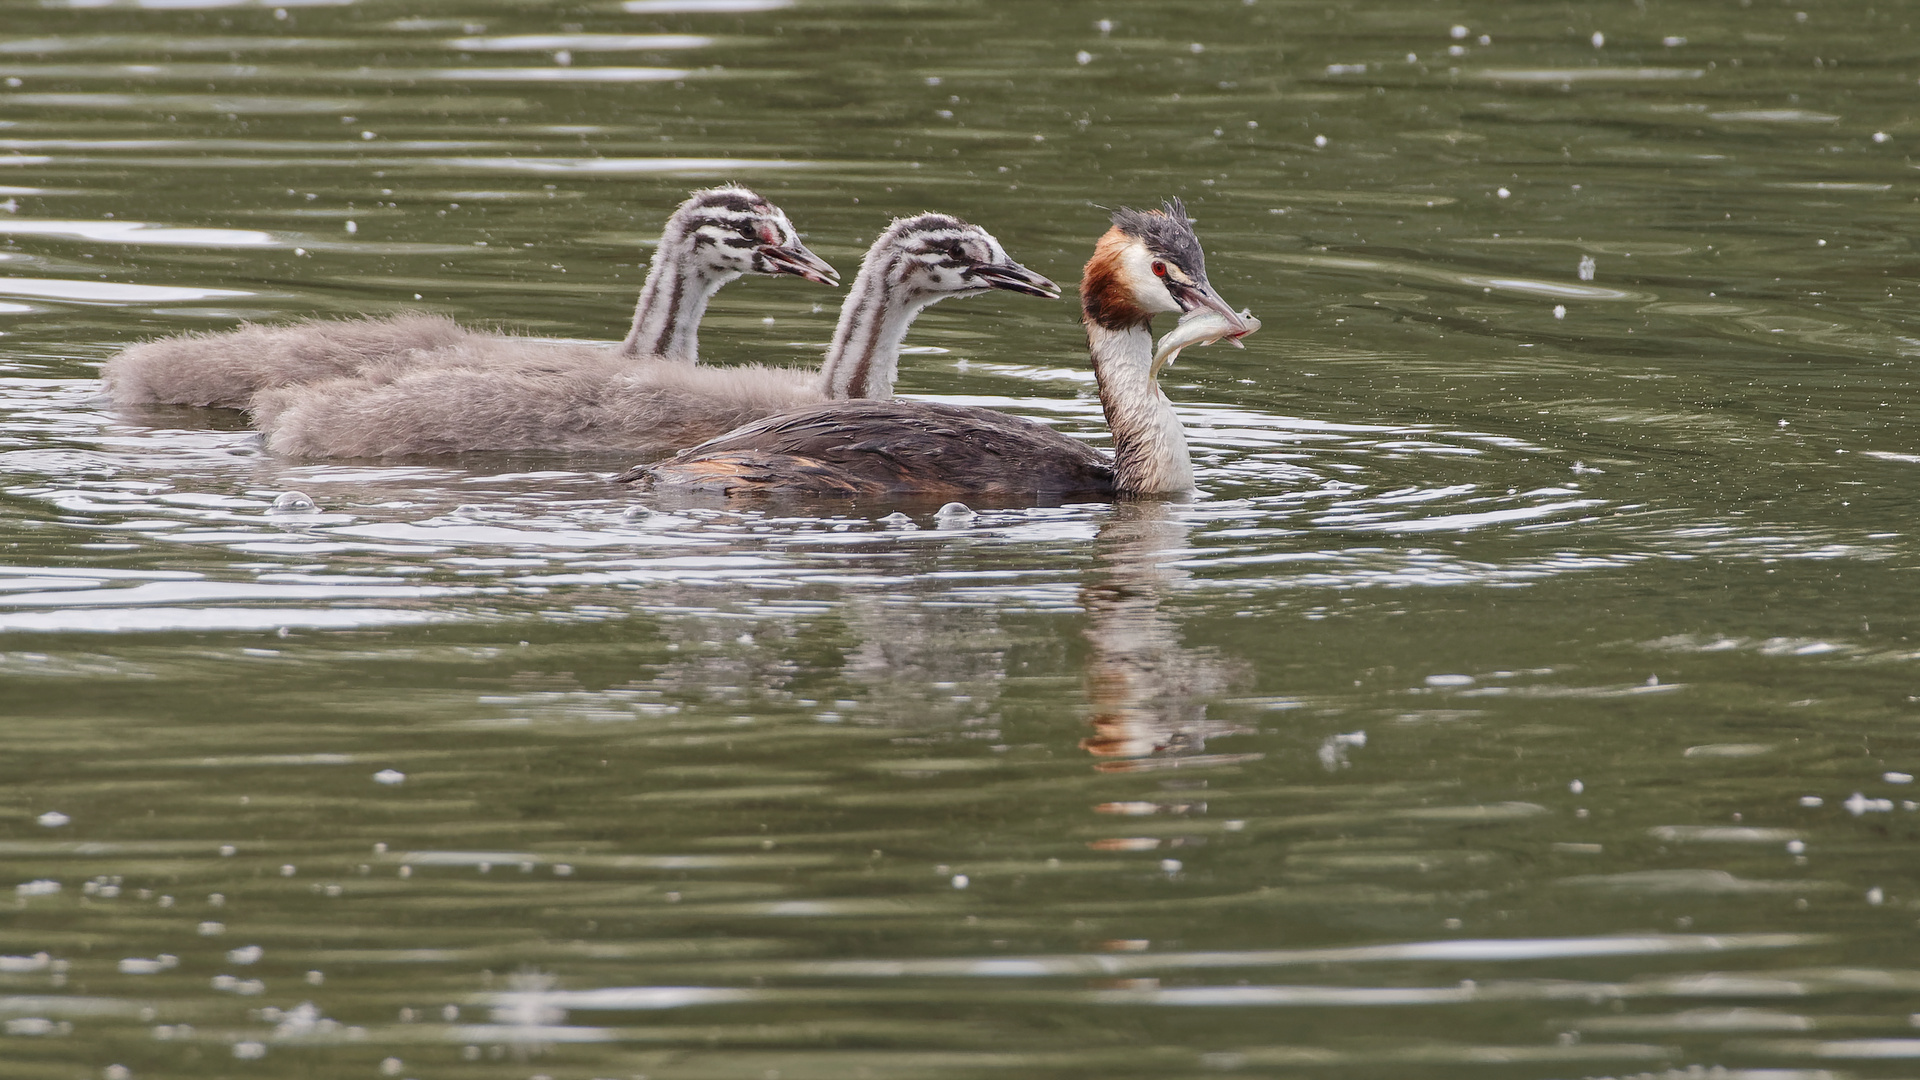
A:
x,y
1013,277
795,259
1200,296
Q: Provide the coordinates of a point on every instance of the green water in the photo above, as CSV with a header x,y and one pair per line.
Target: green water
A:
x,y
1532,693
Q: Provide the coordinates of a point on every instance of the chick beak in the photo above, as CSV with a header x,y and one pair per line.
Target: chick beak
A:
x,y
1013,277
795,259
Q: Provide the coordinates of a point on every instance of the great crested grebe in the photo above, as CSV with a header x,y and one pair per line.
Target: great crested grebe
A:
x,y
465,400
714,237
1148,262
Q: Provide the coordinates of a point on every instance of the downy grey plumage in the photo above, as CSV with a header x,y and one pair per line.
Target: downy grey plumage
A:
x,y
714,237
471,398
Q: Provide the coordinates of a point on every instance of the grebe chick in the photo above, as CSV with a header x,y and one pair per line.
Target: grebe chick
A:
x,y
714,237
465,401
1148,262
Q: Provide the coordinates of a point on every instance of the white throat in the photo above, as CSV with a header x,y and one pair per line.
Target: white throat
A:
x,y
864,358
1149,446
666,322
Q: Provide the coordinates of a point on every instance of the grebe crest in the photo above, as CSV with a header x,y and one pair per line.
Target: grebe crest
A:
x,y
1149,262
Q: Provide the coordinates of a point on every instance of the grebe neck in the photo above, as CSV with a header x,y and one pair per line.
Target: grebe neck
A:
x,y
1149,447
865,354
666,321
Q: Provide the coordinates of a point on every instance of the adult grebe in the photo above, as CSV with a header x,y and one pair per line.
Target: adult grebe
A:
x,y
1149,262
714,237
467,400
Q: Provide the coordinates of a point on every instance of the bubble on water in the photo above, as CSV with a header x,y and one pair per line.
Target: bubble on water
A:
x,y
1876,897
353,227
391,1067
315,978
1105,26
211,929
563,58
293,502
1196,48
1083,57
245,954
22,965
1599,40
116,1072
288,870
1459,32
30,1025
1320,141
1577,787
389,776
1812,800
1450,680
960,881
1486,39
898,520
1858,804
53,819
37,887
249,1051
141,965
227,851
1559,311
1881,136
1170,866
1796,847
1503,193
954,515
1897,777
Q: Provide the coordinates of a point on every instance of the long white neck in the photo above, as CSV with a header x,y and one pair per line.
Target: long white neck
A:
x,y
666,322
1149,446
865,354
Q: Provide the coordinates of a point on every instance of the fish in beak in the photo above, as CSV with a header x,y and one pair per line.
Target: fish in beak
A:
x,y
1203,326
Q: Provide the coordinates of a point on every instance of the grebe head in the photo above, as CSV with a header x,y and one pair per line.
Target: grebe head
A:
x,y
937,256
734,232
1149,262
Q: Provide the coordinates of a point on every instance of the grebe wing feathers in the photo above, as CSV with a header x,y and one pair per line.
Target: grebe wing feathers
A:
x,y
889,447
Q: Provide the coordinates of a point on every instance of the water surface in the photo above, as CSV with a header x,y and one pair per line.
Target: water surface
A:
x,y
1532,692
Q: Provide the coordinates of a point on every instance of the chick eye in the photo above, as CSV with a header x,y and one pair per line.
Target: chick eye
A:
x,y
1159,269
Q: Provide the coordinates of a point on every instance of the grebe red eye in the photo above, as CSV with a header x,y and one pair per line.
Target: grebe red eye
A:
x,y
1159,269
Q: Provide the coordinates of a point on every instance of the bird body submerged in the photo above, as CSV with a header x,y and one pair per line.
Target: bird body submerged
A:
x,y
891,448
1148,262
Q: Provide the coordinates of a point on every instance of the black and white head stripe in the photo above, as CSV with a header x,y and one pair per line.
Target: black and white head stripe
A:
x,y
916,262
1168,234
732,219
713,238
